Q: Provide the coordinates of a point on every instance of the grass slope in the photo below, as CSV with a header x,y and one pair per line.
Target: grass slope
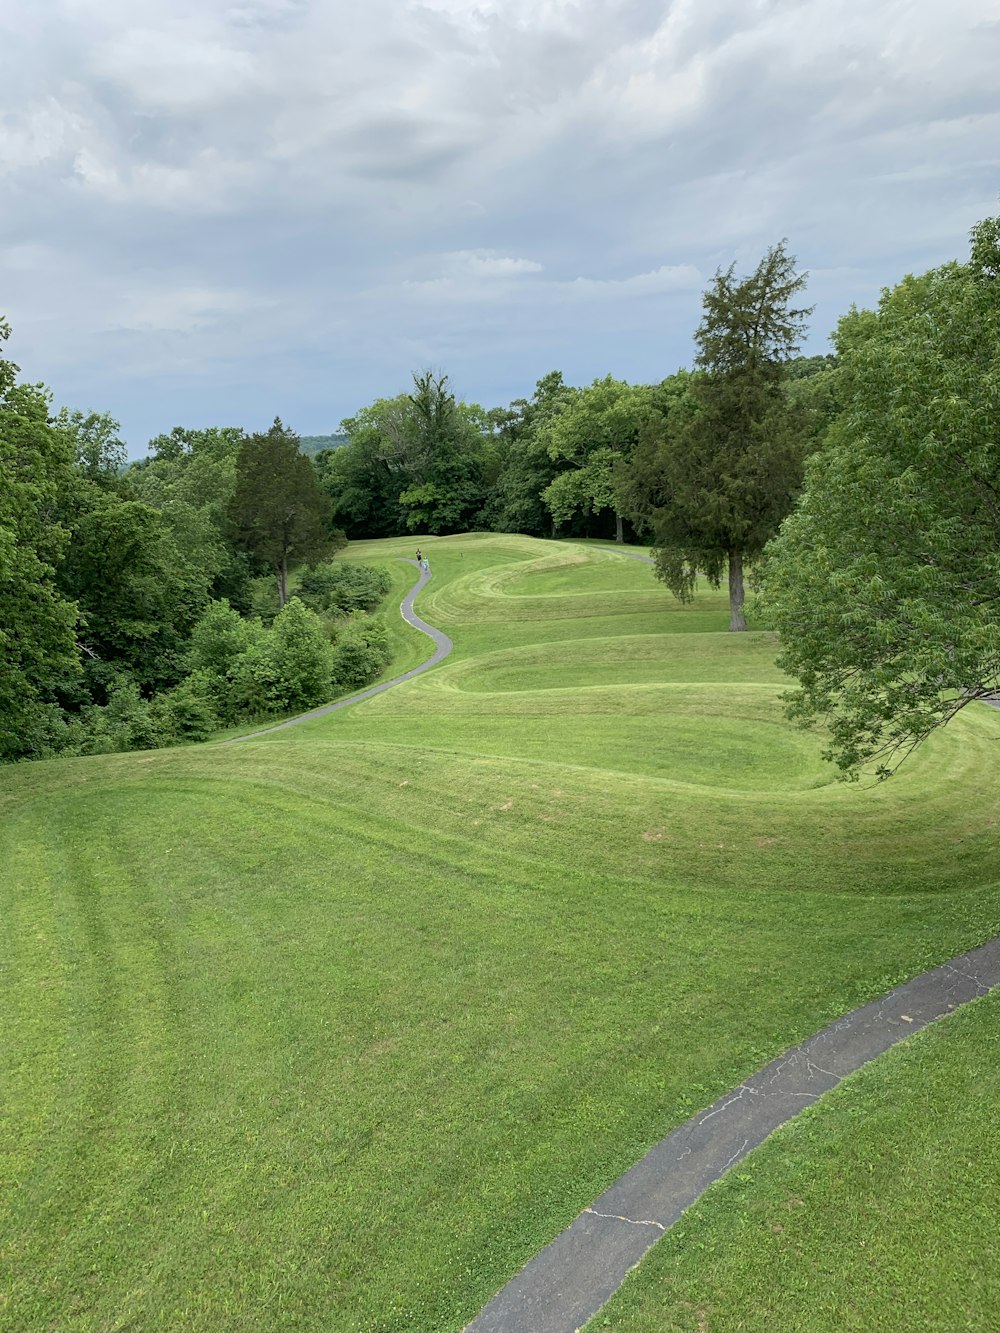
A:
x,y
874,1210
334,1028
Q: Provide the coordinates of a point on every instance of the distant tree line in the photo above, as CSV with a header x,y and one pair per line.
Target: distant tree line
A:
x,y
151,603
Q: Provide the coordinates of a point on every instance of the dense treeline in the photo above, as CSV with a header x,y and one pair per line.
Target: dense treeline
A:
x,y
152,603
147,605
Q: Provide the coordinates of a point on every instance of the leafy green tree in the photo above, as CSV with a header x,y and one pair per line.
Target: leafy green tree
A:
x,y
100,453
713,477
361,652
525,467
594,431
185,714
289,667
137,593
191,479
39,657
421,461
443,454
217,645
279,510
363,479
884,585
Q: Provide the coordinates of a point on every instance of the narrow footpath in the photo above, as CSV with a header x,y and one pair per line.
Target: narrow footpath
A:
x,y
442,647
566,1284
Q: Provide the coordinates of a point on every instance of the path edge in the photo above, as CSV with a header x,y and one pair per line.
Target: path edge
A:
x,y
571,1279
442,647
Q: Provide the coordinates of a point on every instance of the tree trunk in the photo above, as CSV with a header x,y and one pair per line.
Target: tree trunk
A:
x,y
736,618
619,534
281,578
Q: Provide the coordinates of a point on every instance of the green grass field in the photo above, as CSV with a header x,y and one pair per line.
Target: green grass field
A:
x,y
333,1029
872,1212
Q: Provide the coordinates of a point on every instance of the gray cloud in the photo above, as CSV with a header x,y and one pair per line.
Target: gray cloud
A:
x,y
287,205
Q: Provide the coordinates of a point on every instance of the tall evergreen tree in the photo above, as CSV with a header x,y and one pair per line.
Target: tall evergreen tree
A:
x,y
279,510
713,478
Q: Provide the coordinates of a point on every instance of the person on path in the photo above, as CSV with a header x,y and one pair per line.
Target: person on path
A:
x,y
426,567
419,561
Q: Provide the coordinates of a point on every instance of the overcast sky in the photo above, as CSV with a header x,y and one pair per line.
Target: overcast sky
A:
x,y
213,213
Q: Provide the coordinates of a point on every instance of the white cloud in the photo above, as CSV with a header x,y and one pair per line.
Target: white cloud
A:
x,y
488,264
435,173
666,278
35,135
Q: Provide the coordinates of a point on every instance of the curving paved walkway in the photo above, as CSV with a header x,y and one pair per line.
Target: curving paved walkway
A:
x,y
442,647
568,1282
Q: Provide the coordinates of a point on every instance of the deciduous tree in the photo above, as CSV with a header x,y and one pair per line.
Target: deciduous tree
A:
x,y
596,430
885,583
38,651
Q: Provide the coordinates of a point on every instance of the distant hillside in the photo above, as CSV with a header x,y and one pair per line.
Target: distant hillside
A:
x,y
312,444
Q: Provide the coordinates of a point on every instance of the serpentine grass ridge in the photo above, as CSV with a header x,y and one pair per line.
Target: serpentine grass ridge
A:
x,y
573,1277
339,1027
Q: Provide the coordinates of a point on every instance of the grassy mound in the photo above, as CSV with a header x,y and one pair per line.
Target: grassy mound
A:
x,y
334,1028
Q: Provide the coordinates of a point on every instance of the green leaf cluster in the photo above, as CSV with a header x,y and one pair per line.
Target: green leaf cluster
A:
x,y
885,583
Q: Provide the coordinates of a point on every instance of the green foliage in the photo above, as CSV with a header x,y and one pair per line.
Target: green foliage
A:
x,y
186,714
191,480
286,669
594,430
420,462
279,511
362,652
100,454
137,593
885,583
125,722
526,468
219,641
343,587
444,458
714,476
38,653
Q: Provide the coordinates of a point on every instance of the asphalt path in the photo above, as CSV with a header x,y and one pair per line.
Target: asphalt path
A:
x,y
442,647
569,1281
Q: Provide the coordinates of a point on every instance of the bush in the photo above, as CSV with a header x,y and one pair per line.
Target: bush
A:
x,y
290,666
219,641
186,713
343,587
361,653
126,722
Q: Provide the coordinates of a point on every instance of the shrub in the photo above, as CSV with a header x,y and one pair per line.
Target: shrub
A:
x,y
126,722
219,641
186,713
289,667
343,587
362,652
